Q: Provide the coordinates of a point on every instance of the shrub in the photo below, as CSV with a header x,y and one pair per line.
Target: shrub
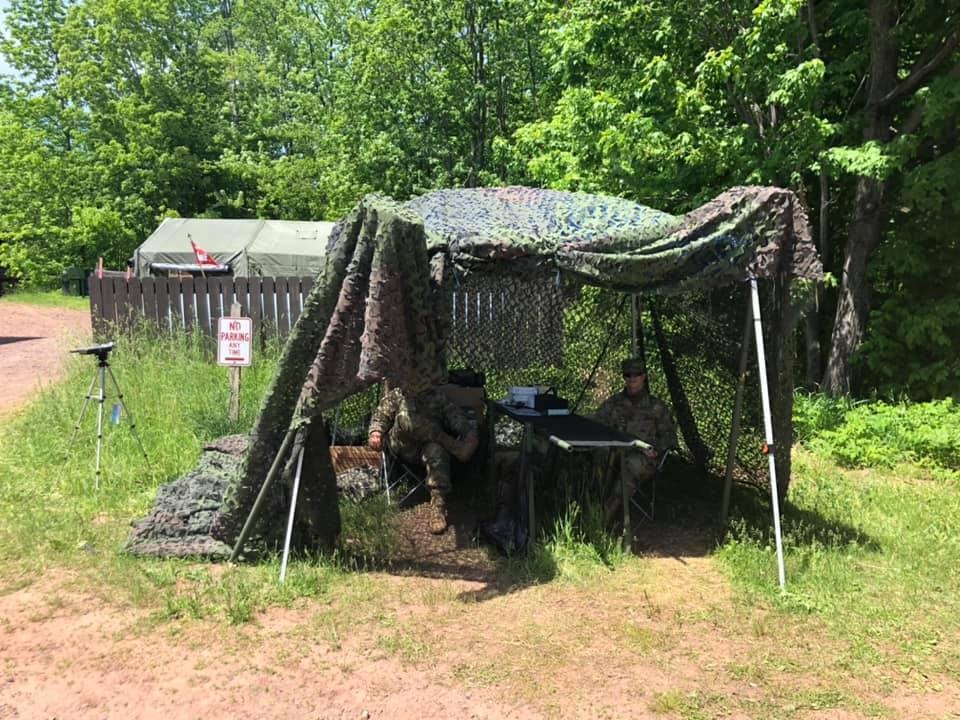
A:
x,y
878,434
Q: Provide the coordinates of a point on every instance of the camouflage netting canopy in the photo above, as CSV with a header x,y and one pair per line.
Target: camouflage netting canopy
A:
x,y
406,286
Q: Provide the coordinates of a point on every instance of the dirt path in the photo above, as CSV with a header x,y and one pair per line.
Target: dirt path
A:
x,y
34,342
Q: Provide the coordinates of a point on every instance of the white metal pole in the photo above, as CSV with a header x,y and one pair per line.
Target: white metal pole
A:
x,y
293,510
768,427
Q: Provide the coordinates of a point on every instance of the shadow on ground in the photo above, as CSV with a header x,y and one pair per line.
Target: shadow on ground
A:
x,y
685,524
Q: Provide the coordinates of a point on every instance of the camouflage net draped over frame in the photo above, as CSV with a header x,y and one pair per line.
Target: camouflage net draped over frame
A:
x,y
614,243
384,305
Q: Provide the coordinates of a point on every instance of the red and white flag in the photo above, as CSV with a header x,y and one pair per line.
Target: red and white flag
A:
x,y
203,257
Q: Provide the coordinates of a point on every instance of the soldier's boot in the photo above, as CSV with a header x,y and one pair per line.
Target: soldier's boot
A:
x,y
440,521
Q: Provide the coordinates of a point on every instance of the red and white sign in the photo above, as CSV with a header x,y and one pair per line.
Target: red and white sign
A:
x,y
234,341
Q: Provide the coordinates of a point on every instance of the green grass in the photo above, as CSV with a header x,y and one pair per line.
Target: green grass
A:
x,y
51,513
47,298
872,556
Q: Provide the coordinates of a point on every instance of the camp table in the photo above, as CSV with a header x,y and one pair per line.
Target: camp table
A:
x,y
570,432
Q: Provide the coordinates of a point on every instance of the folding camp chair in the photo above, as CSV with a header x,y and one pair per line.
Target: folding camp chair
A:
x,y
400,475
645,497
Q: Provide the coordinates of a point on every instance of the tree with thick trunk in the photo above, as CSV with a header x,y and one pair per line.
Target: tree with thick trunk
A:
x,y
884,94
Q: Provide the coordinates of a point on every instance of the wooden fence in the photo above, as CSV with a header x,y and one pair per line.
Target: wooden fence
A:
x,y
274,304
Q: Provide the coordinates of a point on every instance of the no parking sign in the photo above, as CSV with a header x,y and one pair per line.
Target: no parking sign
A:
x,y
234,341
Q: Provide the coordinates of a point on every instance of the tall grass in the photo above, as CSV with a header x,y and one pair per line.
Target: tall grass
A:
x,y
50,509
577,547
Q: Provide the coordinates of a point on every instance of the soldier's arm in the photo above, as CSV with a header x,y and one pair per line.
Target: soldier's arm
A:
x,y
456,420
386,412
605,413
666,428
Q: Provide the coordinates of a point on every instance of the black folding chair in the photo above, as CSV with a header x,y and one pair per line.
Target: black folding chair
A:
x,y
645,497
400,475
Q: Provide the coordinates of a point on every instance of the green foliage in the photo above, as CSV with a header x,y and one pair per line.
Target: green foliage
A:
x,y
814,413
125,112
575,548
47,298
878,434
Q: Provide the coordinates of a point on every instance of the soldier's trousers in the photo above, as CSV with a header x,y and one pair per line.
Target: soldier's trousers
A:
x,y
635,469
434,458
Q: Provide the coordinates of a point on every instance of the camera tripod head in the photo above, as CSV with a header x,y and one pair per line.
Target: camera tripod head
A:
x,y
101,351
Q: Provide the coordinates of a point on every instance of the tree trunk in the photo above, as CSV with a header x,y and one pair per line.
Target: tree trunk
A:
x,y
865,230
853,305
814,360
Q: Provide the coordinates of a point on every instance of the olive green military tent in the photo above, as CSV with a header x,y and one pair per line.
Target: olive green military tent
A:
x,y
269,248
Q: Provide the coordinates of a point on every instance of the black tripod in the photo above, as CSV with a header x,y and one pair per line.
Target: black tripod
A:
x,y
103,367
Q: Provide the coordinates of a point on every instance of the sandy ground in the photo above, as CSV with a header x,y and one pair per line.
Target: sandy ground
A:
x,y
34,344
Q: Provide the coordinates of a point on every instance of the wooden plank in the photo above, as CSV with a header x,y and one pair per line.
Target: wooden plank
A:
x,y
227,294
109,314
95,288
148,288
201,292
163,304
283,306
189,303
119,290
214,290
175,303
240,287
256,305
296,300
268,292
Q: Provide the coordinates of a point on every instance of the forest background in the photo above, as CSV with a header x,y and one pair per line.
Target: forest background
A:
x,y
118,113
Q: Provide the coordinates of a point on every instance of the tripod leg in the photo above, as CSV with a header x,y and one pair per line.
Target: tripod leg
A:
x,y
133,425
83,412
103,391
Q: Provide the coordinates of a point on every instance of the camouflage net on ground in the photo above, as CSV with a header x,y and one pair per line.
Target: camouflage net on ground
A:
x,y
521,284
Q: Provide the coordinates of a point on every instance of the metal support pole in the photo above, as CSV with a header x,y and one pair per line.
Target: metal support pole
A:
x,y
527,476
83,412
768,428
634,346
261,496
625,499
293,511
735,420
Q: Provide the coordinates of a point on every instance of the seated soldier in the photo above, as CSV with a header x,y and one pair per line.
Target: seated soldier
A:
x,y
636,412
423,425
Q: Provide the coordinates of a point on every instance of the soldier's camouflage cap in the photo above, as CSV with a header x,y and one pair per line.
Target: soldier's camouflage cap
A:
x,y
633,366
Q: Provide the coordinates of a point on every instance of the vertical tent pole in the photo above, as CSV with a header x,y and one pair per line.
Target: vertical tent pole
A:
x,y
735,420
293,511
768,427
634,346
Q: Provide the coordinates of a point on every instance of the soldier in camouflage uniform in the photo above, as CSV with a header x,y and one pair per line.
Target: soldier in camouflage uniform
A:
x,y
423,425
636,412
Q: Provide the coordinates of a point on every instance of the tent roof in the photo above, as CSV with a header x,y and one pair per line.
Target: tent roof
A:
x,y
287,246
613,242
